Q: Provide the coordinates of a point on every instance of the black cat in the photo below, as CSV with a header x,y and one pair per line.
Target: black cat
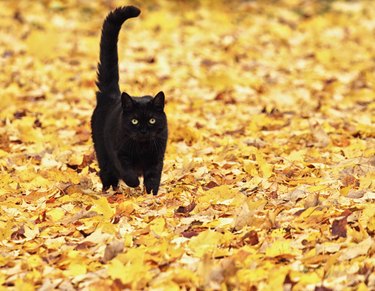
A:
x,y
129,133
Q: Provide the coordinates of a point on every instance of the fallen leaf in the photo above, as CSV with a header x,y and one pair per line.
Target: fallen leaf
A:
x,y
339,227
205,242
112,250
356,250
186,209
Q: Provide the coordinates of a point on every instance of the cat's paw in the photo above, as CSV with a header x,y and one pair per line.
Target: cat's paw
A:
x,y
152,184
105,188
131,181
108,179
148,188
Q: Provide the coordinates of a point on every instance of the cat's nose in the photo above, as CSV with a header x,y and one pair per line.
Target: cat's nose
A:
x,y
143,131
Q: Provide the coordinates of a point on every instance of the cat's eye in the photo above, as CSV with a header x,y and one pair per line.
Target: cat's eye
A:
x,y
134,121
152,120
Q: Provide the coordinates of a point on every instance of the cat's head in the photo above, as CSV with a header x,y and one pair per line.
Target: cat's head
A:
x,y
144,117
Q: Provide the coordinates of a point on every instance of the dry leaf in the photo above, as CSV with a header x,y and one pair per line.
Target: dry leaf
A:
x,y
268,178
112,250
339,227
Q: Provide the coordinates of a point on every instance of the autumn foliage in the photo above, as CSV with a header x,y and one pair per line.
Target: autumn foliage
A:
x,y
269,174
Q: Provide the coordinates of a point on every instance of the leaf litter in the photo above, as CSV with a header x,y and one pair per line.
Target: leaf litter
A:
x,y
269,173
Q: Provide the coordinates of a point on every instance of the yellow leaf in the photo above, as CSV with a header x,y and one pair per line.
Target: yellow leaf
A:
x,y
251,276
75,159
168,285
367,214
296,156
126,207
362,287
219,195
371,223
21,285
205,243
31,232
101,206
245,213
356,250
128,240
34,275
265,168
98,236
256,205
220,80
278,233
310,212
2,281
158,226
108,227
34,261
222,192
250,168
56,214
54,243
345,190
316,188
304,279
135,273
42,43
178,275
161,21
73,255
367,181
324,56
276,281
134,256
281,30
40,182
281,247
75,269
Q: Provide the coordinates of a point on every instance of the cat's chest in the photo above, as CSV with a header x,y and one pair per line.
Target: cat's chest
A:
x,y
138,153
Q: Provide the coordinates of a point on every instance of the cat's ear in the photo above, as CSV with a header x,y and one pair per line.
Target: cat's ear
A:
x,y
158,101
127,101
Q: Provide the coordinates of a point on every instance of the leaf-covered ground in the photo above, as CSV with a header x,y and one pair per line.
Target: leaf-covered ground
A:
x,y
269,174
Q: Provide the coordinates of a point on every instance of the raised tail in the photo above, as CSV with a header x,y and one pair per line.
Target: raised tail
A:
x,y
108,75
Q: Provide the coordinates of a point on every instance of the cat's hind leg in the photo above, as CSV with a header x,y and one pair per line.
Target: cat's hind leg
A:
x,y
107,174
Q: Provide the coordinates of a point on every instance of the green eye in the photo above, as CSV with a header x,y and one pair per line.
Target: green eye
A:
x,y
134,121
152,120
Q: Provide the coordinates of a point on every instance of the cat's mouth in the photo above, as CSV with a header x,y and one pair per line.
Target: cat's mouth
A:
x,y
143,137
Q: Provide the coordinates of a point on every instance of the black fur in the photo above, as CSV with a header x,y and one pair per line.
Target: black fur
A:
x,y
129,133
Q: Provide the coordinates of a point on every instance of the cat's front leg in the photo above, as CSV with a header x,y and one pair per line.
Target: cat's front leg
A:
x,y
126,171
152,178
129,175
131,178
